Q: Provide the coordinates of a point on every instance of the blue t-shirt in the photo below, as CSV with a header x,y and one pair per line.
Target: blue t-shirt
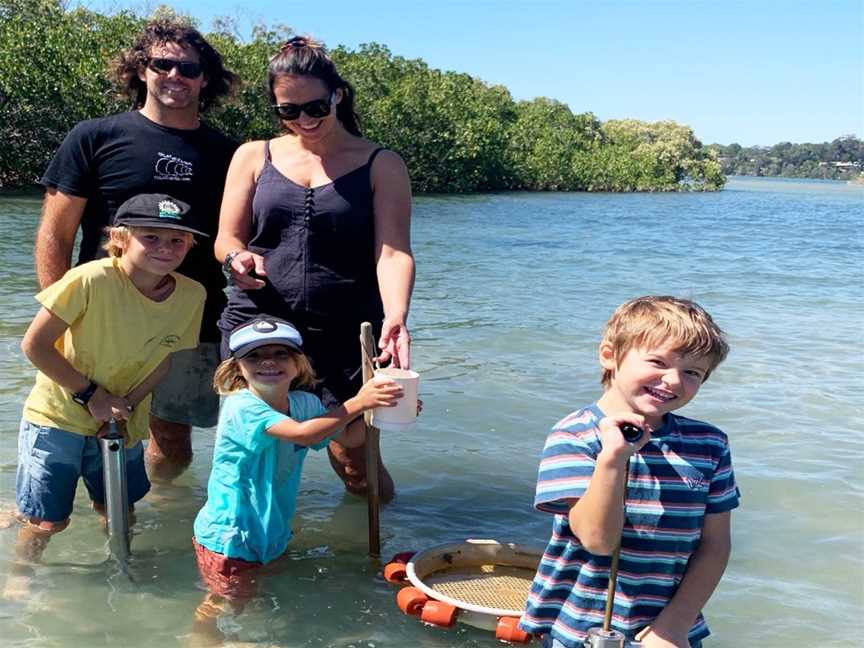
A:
x,y
252,491
682,474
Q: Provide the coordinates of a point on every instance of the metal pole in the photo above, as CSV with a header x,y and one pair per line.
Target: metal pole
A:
x,y
367,352
113,446
599,638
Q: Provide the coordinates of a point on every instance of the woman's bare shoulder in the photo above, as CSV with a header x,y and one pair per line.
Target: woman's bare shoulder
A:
x,y
387,162
248,160
250,150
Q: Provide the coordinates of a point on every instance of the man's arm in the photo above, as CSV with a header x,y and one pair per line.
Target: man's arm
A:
x,y
704,570
55,238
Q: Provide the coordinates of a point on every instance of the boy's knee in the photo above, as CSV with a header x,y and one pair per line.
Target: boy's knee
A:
x,y
33,537
99,507
41,528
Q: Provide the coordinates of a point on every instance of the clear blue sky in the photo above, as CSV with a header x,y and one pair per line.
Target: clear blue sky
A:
x,y
746,71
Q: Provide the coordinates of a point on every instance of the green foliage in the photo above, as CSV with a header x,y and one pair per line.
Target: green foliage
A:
x,y
664,156
52,74
447,126
842,159
456,133
546,145
247,115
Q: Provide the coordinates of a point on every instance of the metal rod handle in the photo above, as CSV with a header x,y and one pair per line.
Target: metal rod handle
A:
x,y
602,638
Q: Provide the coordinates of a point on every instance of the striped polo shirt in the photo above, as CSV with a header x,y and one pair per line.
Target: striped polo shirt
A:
x,y
684,472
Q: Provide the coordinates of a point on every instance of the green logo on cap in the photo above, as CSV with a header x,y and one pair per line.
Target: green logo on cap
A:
x,y
169,209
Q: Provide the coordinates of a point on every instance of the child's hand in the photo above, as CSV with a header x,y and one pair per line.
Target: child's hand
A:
x,y
379,392
104,406
651,639
613,441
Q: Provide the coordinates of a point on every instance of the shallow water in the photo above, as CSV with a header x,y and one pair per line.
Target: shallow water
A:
x,y
512,292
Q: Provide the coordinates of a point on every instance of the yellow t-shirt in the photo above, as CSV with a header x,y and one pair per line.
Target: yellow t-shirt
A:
x,y
116,337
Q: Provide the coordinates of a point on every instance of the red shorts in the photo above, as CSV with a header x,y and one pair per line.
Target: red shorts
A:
x,y
229,577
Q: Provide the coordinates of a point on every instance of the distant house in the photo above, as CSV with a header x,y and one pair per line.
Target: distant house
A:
x,y
842,166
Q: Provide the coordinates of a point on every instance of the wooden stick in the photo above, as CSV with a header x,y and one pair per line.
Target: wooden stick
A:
x,y
610,590
367,352
613,566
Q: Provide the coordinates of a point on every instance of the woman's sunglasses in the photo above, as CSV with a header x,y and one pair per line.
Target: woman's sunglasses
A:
x,y
188,69
315,109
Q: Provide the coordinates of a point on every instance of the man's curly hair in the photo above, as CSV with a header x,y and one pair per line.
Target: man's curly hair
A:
x,y
160,32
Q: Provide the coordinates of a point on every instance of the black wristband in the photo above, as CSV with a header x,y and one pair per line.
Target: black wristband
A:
x,y
83,397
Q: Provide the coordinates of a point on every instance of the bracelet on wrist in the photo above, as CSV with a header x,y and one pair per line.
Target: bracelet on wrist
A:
x,y
229,258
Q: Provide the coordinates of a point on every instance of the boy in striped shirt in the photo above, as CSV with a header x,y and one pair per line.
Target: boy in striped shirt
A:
x,y
680,489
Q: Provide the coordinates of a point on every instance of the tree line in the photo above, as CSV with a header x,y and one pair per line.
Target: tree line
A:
x,y
842,159
455,132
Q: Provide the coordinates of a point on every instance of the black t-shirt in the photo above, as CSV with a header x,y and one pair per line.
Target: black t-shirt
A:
x,y
111,159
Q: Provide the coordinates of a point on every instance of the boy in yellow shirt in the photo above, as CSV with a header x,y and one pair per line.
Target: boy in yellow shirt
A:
x,y
101,342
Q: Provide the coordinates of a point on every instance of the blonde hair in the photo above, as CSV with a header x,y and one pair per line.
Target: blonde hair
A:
x,y
652,321
229,379
117,237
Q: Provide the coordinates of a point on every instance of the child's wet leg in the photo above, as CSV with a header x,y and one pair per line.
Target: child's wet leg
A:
x,y
205,626
30,544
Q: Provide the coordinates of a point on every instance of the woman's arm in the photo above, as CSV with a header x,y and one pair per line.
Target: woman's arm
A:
x,y
374,393
235,216
38,346
394,260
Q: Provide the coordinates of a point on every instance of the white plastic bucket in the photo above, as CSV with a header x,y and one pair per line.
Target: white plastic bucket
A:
x,y
402,417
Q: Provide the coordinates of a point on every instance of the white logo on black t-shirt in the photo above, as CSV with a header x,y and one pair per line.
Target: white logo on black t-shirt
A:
x,y
170,167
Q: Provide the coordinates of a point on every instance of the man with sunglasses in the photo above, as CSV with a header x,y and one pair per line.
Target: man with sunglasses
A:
x,y
171,74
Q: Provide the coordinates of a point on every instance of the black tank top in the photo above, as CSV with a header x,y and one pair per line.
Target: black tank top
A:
x,y
319,249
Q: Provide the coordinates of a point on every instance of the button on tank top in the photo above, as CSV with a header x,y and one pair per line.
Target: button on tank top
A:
x,y
319,249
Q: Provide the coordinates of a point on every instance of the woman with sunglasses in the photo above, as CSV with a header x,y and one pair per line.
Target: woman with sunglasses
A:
x,y
315,229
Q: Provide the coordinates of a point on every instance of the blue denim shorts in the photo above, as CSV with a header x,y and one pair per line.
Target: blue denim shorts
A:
x,y
50,461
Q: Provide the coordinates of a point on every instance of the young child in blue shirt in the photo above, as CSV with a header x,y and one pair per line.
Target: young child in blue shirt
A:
x,y
674,527
266,427
101,341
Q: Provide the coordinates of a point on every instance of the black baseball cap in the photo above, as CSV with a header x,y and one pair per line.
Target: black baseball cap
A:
x,y
156,210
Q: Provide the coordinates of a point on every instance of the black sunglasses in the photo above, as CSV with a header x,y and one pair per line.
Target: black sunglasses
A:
x,y
188,69
315,109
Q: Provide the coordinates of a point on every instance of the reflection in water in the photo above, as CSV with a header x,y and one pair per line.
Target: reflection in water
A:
x,y
511,296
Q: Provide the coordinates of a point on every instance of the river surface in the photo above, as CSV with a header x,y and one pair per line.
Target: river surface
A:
x,y
512,292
